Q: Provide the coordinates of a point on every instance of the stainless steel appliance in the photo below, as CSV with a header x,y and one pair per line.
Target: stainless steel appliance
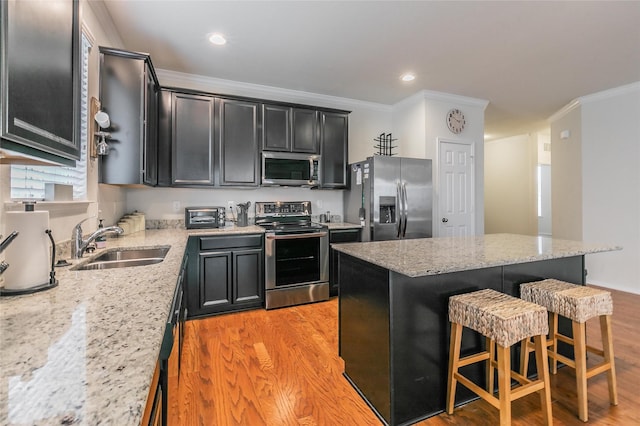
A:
x,y
204,217
290,169
296,254
391,197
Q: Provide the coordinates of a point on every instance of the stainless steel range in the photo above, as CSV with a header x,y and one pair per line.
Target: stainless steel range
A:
x,y
296,254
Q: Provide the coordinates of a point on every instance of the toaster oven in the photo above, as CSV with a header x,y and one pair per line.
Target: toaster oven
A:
x,y
204,217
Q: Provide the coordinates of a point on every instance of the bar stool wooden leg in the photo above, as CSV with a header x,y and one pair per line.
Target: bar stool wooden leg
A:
x,y
580,352
543,369
504,385
524,357
553,336
491,348
454,359
607,346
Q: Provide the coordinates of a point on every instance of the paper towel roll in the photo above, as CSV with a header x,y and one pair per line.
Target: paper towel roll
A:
x,y
29,255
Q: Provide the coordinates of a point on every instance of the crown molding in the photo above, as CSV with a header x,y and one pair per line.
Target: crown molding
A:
x,y
610,93
104,18
238,88
594,97
574,104
430,95
456,99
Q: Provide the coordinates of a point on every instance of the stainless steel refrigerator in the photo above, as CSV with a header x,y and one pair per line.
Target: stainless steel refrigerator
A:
x,y
392,197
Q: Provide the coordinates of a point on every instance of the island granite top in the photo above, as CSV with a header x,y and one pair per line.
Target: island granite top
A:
x,y
85,351
433,256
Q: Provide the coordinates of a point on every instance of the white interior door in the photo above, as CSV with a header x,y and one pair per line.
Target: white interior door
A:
x,y
544,199
455,206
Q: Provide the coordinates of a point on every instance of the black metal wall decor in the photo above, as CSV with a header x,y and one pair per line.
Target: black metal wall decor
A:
x,y
385,144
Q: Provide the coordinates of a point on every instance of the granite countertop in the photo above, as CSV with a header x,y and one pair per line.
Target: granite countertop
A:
x,y
85,351
432,256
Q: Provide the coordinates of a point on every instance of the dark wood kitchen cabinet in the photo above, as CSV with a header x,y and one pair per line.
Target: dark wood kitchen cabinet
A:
x,y
290,129
207,141
337,236
226,274
305,131
164,384
239,142
276,128
129,94
40,79
192,140
334,136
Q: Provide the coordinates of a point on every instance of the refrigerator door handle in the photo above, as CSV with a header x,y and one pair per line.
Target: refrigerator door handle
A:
x,y
398,210
405,209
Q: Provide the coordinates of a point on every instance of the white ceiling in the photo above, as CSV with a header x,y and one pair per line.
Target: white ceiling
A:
x,y
527,58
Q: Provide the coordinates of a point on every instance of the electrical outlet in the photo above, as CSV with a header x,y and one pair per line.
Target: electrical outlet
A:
x,y
176,206
319,204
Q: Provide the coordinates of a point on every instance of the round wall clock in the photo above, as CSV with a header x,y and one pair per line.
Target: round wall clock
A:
x,y
455,120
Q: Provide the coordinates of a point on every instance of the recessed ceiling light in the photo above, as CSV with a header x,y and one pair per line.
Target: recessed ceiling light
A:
x,y
408,77
217,39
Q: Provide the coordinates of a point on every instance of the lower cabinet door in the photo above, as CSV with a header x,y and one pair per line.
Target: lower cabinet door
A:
x,y
231,280
247,276
335,237
215,280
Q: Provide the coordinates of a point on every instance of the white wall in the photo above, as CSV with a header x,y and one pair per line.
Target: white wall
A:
x,y
157,203
510,185
566,174
596,182
611,185
410,127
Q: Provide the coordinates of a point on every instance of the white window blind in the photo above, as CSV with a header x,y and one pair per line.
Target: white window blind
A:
x,y
27,182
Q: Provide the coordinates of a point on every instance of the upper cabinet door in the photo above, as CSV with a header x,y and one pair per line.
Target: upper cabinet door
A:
x,y
305,131
192,148
239,141
289,129
276,129
128,93
40,73
334,135
150,150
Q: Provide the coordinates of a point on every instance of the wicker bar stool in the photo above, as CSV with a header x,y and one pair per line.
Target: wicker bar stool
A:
x,y
577,303
504,321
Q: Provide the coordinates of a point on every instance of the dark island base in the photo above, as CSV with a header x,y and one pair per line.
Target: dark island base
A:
x,y
394,331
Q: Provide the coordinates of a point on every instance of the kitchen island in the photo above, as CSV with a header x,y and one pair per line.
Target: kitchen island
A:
x,y
393,321
85,351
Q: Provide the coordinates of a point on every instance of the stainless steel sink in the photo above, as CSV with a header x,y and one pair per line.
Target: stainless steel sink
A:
x,y
124,257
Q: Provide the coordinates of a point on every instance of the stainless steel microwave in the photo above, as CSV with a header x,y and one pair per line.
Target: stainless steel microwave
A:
x,y
290,169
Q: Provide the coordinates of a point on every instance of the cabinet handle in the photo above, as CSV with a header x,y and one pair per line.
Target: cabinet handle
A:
x,y
296,236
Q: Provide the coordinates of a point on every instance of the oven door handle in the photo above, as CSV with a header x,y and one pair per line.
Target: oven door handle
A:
x,y
295,236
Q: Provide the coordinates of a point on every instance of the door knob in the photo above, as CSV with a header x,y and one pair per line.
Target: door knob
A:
x,y
445,220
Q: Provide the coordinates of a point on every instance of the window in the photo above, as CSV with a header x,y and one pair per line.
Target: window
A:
x,y
28,181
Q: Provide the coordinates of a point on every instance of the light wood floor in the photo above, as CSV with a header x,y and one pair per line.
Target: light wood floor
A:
x,y
281,367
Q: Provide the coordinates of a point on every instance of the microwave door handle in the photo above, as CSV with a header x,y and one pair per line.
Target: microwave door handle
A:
x,y
310,170
398,210
405,208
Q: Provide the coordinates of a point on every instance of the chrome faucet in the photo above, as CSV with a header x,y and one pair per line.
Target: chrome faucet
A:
x,y
80,244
